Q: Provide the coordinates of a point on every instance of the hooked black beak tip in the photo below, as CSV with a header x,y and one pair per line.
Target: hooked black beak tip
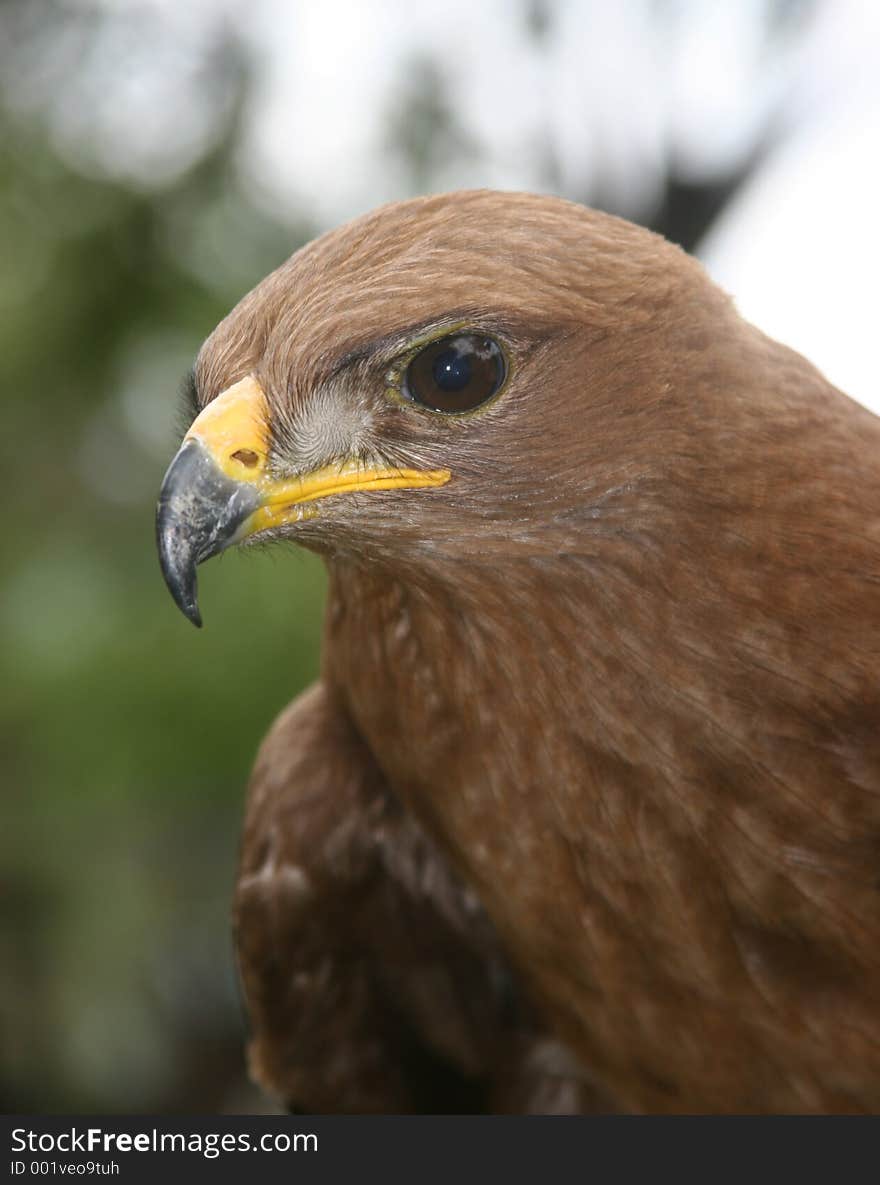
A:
x,y
183,586
177,559
198,514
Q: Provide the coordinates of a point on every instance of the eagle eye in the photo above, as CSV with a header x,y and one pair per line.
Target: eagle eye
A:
x,y
456,373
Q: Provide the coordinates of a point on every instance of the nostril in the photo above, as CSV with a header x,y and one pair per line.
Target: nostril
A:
x,y
247,457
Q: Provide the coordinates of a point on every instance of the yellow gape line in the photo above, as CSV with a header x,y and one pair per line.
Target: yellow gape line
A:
x,y
234,430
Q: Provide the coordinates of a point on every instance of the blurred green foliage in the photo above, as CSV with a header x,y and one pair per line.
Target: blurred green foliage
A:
x,y
127,735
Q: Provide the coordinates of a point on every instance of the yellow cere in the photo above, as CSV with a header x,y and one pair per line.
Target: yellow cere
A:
x,y
233,427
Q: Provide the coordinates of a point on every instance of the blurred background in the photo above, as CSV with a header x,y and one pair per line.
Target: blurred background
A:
x,y
158,158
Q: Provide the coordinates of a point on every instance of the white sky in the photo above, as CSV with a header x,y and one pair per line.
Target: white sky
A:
x,y
799,248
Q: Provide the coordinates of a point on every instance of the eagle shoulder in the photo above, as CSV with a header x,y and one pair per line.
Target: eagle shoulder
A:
x,y
372,976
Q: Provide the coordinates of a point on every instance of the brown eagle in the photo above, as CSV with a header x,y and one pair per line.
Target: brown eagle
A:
x,y
584,810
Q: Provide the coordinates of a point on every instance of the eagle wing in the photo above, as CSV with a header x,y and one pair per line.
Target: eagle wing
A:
x,y
373,978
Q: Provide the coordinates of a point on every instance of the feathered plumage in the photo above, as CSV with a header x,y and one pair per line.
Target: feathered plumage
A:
x,y
584,812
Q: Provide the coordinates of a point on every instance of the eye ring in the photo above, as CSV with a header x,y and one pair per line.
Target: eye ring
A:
x,y
455,374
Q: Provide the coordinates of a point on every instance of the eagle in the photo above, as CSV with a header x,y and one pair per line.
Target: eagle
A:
x,y
583,812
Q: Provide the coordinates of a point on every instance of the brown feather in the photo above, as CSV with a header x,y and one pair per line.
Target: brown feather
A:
x,y
598,719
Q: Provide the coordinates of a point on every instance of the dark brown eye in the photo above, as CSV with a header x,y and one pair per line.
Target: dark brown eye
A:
x,y
455,374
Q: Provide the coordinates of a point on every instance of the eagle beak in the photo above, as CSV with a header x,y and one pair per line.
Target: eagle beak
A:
x,y
219,488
